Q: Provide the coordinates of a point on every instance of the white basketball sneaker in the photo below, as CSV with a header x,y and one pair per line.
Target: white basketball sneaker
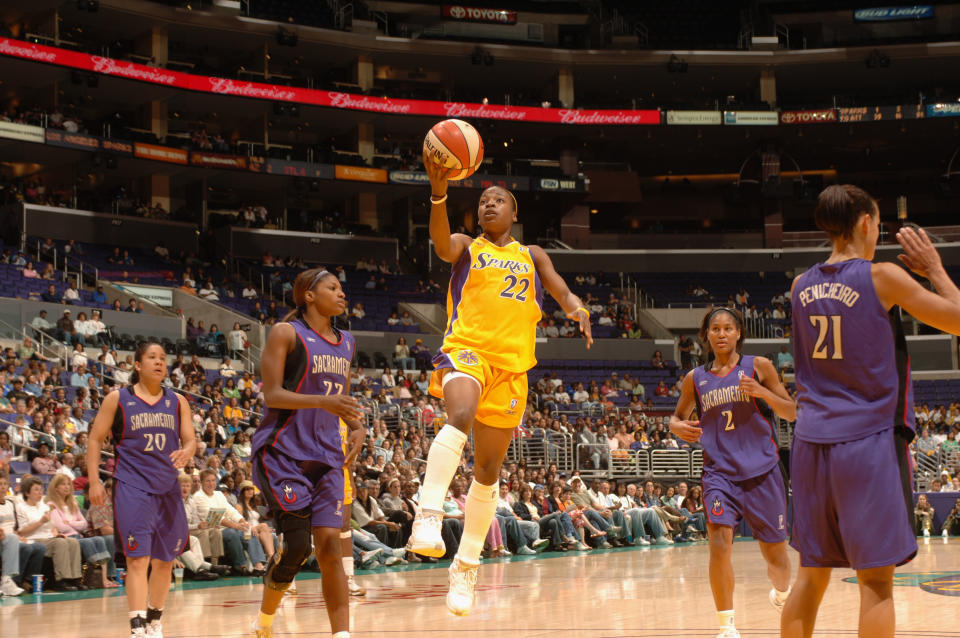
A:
x,y
463,581
425,539
154,629
729,632
354,589
261,632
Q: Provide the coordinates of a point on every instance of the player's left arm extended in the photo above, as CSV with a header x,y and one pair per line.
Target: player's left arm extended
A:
x,y
770,389
559,290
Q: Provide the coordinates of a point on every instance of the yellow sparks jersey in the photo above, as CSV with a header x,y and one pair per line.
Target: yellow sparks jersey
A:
x,y
493,305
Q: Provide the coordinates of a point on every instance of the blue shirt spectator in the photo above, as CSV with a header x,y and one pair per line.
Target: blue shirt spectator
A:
x,y
99,296
79,379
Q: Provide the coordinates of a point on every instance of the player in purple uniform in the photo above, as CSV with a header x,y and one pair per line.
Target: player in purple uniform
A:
x,y
855,408
741,471
298,456
152,429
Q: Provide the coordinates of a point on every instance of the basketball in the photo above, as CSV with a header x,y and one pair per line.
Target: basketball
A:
x,y
454,144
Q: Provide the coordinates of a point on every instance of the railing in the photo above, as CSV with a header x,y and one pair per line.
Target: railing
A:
x,y
47,346
661,464
33,434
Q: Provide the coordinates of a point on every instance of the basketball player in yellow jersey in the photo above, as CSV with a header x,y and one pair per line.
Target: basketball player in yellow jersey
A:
x,y
493,305
346,532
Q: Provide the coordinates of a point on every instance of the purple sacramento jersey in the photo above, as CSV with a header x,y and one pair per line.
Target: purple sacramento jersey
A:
x,y
737,438
854,420
316,366
850,356
149,518
147,434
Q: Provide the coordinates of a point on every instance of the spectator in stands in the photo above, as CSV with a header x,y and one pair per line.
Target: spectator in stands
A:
x,y
34,522
369,516
406,319
249,292
925,444
29,271
784,360
358,312
261,544
700,292
71,295
685,345
69,521
117,307
232,525
657,361
208,291
51,295
40,323
209,537
131,305
401,354
20,560
43,462
923,513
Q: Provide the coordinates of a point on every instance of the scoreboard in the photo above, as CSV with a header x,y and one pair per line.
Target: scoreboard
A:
x,y
882,113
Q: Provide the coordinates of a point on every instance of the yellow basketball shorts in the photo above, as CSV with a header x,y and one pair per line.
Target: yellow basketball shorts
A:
x,y
347,487
503,394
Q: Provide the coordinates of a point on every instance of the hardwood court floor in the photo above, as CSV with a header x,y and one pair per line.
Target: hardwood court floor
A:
x,y
621,593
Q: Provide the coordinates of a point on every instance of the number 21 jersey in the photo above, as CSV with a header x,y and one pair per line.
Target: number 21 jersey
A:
x,y
494,303
850,356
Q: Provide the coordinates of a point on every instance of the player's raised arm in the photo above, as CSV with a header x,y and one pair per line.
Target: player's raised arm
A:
x,y
559,290
449,246
940,309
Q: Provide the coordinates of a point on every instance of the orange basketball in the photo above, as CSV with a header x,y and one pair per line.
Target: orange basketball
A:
x,y
454,144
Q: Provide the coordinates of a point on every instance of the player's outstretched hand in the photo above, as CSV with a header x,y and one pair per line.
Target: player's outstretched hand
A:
x,y
437,174
345,407
919,254
180,458
689,431
583,318
98,495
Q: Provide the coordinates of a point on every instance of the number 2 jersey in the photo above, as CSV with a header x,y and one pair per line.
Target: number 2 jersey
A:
x,y
738,440
146,435
850,356
494,303
316,366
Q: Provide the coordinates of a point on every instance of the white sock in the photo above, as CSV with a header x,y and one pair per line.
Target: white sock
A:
x,y
480,508
725,618
265,620
781,595
140,612
442,462
342,634
348,565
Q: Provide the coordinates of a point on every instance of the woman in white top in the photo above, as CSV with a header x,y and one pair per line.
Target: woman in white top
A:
x,y
13,568
247,507
387,380
33,519
236,340
79,357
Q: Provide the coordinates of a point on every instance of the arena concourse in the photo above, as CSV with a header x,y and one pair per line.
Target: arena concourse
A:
x,y
168,167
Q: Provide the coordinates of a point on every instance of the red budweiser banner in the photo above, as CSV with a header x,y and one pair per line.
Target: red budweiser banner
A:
x,y
476,14
334,99
819,116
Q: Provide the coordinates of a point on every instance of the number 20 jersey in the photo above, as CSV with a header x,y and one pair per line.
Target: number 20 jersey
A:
x,y
146,435
493,305
850,356
316,366
737,437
